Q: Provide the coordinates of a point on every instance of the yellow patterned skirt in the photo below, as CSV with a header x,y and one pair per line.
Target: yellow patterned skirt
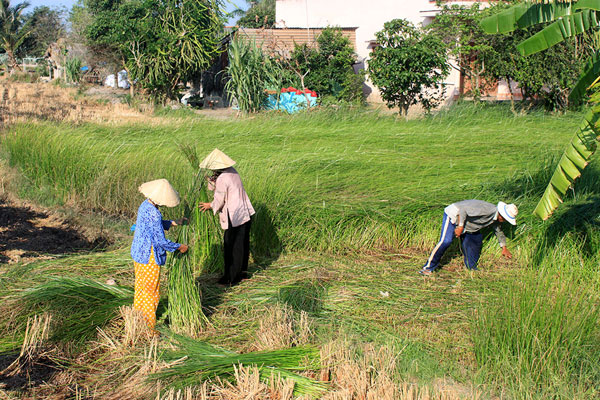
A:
x,y
147,285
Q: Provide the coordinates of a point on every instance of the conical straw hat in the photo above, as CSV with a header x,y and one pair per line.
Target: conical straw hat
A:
x,y
160,192
217,160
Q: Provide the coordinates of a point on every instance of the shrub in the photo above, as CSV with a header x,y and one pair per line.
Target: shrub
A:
x,y
25,77
42,69
409,66
329,66
250,72
73,69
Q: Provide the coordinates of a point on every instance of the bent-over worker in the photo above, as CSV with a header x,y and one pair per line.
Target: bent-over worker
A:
x,y
465,220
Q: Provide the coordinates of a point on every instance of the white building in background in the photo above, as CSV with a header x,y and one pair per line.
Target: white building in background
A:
x,y
367,17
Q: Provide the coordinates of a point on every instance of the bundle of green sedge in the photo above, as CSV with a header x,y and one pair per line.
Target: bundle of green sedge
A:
x,y
185,305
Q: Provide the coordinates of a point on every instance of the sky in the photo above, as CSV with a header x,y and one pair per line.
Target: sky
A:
x,y
229,5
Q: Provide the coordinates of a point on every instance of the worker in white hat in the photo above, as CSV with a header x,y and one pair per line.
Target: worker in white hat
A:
x,y
235,211
465,220
149,247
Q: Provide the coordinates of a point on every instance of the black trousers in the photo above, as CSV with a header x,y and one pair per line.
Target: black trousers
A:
x,y
236,242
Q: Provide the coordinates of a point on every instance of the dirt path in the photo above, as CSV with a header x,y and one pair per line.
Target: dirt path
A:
x,y
28,233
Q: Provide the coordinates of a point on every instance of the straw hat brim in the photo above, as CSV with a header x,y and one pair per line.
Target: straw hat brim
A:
x,y
504,212
217,160
160,192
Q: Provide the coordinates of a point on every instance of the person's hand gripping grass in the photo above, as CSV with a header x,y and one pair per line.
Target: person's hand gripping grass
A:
x,y
179,222
459,231
204,206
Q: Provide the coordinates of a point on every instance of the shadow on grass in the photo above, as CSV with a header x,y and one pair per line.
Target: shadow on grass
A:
x,y
265,248
578,218
580,221
265,245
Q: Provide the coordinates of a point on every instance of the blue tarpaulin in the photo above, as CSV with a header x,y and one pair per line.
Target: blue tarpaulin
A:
x,y
290,102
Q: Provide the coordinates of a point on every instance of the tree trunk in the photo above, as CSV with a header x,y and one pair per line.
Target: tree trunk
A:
x,y
13,65
304,89
512,96
404,106
131,91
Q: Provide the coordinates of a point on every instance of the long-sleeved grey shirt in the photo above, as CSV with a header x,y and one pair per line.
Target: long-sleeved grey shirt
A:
x,y
475,215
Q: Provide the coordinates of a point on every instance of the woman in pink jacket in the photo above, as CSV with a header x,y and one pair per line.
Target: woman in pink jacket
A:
x,y
235,213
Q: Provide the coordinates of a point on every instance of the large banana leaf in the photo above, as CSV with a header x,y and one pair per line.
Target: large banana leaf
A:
x,y
573,161
586,79
526,14
565,27
589,4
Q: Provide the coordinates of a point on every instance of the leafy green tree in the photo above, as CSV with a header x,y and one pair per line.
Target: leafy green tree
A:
x,y
261,14
569,19
408,66
328,67
159,42
79,19
547,76
107,28
176,41
13,30
484,58
46,27
466,42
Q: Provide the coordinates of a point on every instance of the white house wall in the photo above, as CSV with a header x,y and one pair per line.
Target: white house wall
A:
x,y
368,16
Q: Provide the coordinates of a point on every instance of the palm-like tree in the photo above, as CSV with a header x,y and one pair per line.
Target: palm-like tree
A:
x,y
13,30
568,18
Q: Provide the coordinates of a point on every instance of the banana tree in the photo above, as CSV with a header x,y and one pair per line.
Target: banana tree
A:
x,y
566,19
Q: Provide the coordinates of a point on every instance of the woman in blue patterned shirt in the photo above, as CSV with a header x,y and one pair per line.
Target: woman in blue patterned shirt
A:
x,y
150,246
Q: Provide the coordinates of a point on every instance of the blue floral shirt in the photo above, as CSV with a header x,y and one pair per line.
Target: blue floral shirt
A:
x,y
150,232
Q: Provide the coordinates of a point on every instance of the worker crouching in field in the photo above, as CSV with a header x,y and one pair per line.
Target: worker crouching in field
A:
x,y
465,220
150,246
235,213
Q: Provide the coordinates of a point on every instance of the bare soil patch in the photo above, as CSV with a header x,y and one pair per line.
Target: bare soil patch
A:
x,y
29,374
28,233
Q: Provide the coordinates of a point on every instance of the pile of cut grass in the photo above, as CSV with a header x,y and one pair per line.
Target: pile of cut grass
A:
x,y
78,305
196,361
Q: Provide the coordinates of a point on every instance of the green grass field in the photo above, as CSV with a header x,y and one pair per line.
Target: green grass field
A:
x,y
348,205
